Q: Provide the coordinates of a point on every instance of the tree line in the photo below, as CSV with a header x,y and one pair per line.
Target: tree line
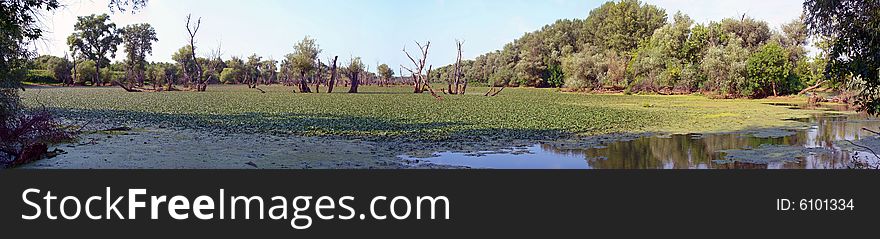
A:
x,y
631,46
96,39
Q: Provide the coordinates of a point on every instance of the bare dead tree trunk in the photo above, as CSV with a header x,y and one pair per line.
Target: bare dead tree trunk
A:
x,y
200,84
773,84
170,82
428,84
418,78
303,83
128,89
319,77
332,75
354,83
460,82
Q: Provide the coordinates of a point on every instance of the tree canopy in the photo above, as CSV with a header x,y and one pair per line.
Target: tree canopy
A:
x,y
853,27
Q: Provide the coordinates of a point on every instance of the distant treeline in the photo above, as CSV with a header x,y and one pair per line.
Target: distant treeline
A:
x,y
631,46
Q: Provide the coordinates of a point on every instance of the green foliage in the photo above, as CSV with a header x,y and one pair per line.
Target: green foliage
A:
x,y
41,77
230,75
305,55
19,25
138,41
385,72
85,72
725,67
186,66
556,76
854,52
583,70
620,26
768,69
95,37
753,33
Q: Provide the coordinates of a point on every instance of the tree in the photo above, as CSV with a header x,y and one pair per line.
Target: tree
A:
x,y
852,24
662,58
333,75
420,80
303,60
269,71
138,41
96,37
193,28
725,66
60,69
620,26
353,71
583,70
186,64
754,33
385,72
252,71
767,70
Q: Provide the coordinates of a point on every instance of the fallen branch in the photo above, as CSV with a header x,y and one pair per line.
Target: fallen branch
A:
x,y
869,130
128,89
818,83
499,91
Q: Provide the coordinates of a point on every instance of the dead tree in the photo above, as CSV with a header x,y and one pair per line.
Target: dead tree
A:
x,y
493,92
319,77
418,78
200,83
353,75
428,84
456,83
332,75
303,82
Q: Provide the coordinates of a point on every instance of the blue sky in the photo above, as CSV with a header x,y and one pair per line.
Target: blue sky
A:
x,y
375,30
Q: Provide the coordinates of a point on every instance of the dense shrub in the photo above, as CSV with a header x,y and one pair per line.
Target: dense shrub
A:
x,y
583,71
41,77
768,72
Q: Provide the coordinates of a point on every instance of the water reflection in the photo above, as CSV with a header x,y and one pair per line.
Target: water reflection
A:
x,y
691,151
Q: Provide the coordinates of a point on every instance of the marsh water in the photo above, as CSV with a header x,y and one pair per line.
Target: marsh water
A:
x,y
818,146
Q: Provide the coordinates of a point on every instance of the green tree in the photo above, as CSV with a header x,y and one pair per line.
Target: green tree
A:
x,y
138,41
583,71
185,64
768,68
385,72
96,37
86,72
854,51
353,71
753,33
620,26
725,67
303,60
60,69
229,75
252,70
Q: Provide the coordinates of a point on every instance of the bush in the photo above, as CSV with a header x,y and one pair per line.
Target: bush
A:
x,y
769,72
25,136
584,71
41,77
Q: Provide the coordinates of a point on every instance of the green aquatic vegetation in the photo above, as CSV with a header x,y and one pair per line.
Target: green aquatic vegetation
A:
x,y
395,112
766,154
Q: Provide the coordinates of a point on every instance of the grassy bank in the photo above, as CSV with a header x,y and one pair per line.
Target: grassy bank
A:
x,y
517,113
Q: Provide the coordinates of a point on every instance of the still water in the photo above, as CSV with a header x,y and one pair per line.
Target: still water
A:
x,y
817,148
